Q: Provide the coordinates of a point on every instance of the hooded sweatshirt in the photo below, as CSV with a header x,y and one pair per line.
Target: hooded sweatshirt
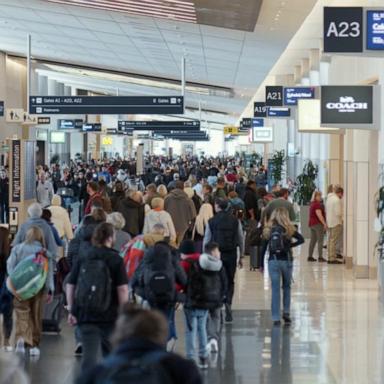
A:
x,y
181,209
210,263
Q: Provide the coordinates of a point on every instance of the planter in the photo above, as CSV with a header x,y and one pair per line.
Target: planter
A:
x,y
304,220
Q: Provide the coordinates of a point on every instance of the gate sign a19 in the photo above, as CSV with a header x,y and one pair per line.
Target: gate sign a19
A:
x,y
343,29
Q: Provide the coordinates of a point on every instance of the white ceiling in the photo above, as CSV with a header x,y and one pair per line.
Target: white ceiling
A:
x,y
151,46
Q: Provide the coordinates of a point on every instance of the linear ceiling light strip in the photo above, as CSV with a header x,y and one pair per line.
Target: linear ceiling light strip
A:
x,y
129,9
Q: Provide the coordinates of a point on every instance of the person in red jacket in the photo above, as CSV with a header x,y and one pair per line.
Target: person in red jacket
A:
x,y
188,255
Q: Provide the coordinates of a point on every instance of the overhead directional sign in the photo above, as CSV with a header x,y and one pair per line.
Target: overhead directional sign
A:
x,y
231,130
259,109
292,95
106,105
343,29
245,123
1,108
42,120
92,127
279,112
160,125
375,30
274,96
70,124
257,123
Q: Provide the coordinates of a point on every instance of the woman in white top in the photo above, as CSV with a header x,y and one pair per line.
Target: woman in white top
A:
x,y
157,215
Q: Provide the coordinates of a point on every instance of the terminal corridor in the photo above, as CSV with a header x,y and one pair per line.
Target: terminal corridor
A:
x,y
337,334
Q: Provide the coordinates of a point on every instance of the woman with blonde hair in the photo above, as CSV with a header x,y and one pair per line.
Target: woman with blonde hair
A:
x,y
279,233
201,222
157,215
317,225
121,237
28,312
162,190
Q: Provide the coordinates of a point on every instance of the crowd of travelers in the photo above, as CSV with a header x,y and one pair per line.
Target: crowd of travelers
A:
x,y
146,247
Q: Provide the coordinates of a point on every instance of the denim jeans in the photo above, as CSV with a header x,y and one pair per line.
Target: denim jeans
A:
x,y
214,323
280,269
95,338
196,322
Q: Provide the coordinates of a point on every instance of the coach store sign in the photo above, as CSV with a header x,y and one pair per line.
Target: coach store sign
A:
x,y
347,105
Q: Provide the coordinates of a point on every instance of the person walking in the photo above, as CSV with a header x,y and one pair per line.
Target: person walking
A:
x,y
181,209
121,237
157,215
226,230
279,232
97,286
317,225
334,212
44,191
29,312
201,222
6,306
133,210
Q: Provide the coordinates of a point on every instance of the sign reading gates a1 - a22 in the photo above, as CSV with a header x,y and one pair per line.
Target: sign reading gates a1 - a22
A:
x,y
343,29
347,104
375,30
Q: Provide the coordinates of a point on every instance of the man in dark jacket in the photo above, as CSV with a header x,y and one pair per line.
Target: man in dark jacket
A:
x,y
251,201
141,336
132,208
226,230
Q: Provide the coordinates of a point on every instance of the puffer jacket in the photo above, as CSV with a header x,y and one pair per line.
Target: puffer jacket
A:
x,y
60,218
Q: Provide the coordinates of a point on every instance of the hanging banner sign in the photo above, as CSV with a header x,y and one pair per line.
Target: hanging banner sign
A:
x,y
375,30
106,105
343,29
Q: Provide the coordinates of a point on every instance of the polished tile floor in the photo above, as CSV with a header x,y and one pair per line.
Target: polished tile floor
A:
x,y
337,335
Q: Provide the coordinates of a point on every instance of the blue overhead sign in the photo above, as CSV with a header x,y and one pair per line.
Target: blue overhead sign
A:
x,y
292,95
375,30
257,123
279,112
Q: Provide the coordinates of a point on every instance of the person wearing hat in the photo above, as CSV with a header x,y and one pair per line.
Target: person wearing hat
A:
x,y
226,230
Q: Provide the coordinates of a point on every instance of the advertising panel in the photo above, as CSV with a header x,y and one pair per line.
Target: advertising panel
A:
x,y
375,30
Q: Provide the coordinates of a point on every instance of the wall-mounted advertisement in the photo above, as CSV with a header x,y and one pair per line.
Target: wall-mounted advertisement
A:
x,y
343,29
292,95
262,135
375,30
347,105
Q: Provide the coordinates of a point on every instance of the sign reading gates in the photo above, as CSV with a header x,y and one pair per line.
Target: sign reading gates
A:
x,y
292,95
343,29
346,105
274,96
259,109
375,30
16,171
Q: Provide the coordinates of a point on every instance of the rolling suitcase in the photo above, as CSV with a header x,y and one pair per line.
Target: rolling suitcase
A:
x,y
255,257
52,314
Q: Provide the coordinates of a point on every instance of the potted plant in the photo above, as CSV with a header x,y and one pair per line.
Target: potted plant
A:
x,y
276,166
305,185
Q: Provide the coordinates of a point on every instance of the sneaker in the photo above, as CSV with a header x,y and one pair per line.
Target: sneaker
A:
x,y
171,345
34,351
335,262
8,348
339,256
20,346
203,363
214,346
78,350
322,260
287,319
228,317
311,259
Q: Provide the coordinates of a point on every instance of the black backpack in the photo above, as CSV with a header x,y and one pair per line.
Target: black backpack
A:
x,y
277,242
204,288
144,370
94,285
159,285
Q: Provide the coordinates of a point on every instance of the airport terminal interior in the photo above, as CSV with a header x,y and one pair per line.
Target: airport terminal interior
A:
x,y
222,160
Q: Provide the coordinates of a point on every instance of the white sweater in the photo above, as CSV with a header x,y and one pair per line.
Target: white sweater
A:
x,y
159,217
334,210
